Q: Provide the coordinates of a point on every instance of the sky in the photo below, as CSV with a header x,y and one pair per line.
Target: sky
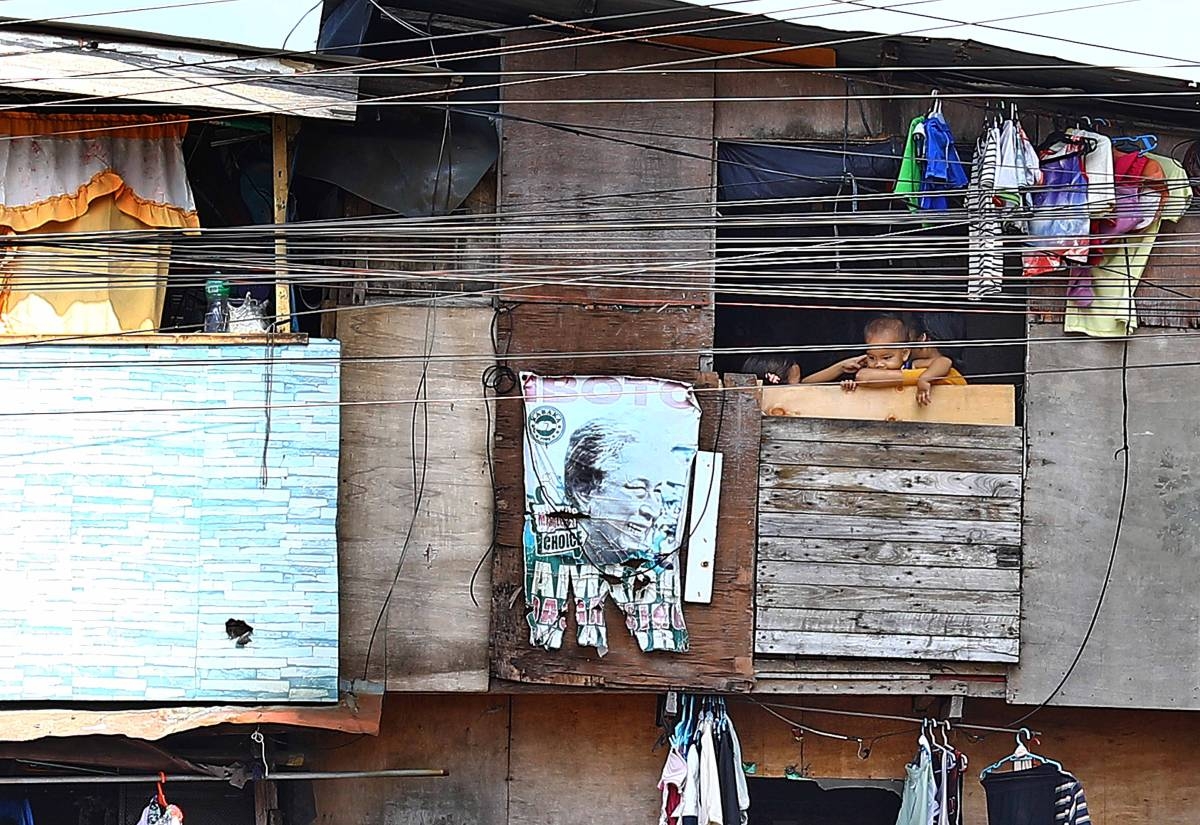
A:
x,y
261,23
1148,36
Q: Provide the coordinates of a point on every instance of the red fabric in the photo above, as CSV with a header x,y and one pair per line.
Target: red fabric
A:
x,y
673,800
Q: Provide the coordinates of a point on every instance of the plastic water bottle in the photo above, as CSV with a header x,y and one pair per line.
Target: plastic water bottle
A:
x,y
216,315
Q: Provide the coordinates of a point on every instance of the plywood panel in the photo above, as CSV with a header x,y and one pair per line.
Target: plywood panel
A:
x,y
1144,650
973,404
464,734
580,760
659,180
432,637
721,632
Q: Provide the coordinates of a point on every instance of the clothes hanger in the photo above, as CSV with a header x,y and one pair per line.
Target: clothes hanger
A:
x,y
1020,754
1145,143
935,108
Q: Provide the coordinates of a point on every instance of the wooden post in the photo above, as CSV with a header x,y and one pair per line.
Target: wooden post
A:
x,y
266,803
279,162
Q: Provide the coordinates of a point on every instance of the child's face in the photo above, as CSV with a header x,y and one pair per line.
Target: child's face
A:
x,y
881,357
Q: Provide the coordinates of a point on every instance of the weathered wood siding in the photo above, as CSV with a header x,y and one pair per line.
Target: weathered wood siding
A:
x,y
889,540
1144,650
431,636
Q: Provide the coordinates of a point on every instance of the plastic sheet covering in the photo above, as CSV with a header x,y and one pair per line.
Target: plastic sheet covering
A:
x,y
416,166
756,171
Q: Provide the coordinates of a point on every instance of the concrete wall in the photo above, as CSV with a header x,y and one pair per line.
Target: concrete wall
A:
x,y
136,522
579,759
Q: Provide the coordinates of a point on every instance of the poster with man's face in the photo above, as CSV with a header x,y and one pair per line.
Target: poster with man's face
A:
x,y
607,466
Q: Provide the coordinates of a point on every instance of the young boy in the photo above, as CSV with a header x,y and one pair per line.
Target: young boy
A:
x,y
773,368
891,362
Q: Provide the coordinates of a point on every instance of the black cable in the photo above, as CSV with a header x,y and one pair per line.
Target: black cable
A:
x,y
420,394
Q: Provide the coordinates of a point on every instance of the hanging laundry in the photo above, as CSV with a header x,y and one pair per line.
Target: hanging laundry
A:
x,y
1105,307
159,812
985,256
1098,166
1043,794
1060,227
1018,173
15,812
917,802
703,781
908,182
943,170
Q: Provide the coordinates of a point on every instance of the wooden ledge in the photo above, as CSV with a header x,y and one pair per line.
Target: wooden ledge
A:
x,y
993,404
160,339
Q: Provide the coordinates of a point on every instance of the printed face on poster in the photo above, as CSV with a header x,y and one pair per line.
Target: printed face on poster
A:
x,y
607,468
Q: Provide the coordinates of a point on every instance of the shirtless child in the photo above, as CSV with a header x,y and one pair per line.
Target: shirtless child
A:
x,y
890,361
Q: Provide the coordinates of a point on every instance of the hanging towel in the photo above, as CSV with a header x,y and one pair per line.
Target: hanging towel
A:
x,y
15,812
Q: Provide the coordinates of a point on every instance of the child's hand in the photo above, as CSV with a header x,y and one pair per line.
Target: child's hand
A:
x,y
849,385
924,391
853,364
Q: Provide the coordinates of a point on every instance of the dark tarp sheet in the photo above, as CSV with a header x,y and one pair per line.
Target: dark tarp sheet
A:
x,y
755,171
399,163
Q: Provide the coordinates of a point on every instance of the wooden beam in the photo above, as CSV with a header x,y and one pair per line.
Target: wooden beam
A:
x,y
352,714
992,404
279,163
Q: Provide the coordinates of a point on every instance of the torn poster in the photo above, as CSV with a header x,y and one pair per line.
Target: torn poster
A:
x,y
607,468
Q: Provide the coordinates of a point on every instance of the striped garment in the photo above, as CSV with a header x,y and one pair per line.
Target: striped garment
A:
x,y
1070,805
985,254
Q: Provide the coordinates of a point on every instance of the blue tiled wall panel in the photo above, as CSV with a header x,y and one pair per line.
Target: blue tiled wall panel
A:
x,y
135,519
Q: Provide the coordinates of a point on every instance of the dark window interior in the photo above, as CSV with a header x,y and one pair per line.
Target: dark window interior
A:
x,y
802,802
799,266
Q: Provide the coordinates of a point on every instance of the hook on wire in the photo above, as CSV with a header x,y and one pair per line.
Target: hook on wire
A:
x,y
258,739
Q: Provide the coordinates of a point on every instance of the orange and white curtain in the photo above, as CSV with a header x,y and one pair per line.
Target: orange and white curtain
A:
x,y
92,185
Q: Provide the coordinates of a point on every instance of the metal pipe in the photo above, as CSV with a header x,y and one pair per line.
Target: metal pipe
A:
x,y
400,773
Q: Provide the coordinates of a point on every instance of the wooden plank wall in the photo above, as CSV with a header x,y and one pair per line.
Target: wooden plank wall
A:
x,y
516,760
432,636
1144,650
661,235
889,540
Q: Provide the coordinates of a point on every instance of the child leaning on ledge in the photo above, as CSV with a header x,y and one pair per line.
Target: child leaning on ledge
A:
x,y
890,361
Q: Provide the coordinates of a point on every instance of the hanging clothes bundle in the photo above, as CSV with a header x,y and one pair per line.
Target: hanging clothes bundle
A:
x,y
1004,172
159,811
930,168
703,782
933,782
1042,794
